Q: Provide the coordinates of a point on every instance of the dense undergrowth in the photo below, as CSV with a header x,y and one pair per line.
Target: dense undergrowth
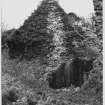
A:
x,y
28,82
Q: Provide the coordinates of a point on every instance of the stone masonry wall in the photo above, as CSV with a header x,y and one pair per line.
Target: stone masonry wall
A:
x,y
98,8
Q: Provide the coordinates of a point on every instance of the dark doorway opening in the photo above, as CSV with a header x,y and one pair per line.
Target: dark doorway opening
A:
x,y
73,72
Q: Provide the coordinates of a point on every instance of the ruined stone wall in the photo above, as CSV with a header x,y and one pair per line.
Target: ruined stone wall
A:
x,y
56,27
98,8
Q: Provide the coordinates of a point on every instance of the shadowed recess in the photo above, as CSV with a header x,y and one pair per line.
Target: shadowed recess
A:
x,y
73,72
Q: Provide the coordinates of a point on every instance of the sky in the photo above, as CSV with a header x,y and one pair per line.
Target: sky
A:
x,y
14,12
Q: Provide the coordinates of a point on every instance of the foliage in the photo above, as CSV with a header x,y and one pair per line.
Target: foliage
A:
x,y
81,36
6,35
28,79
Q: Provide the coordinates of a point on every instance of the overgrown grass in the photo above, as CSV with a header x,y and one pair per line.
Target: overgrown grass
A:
x,y
29,79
